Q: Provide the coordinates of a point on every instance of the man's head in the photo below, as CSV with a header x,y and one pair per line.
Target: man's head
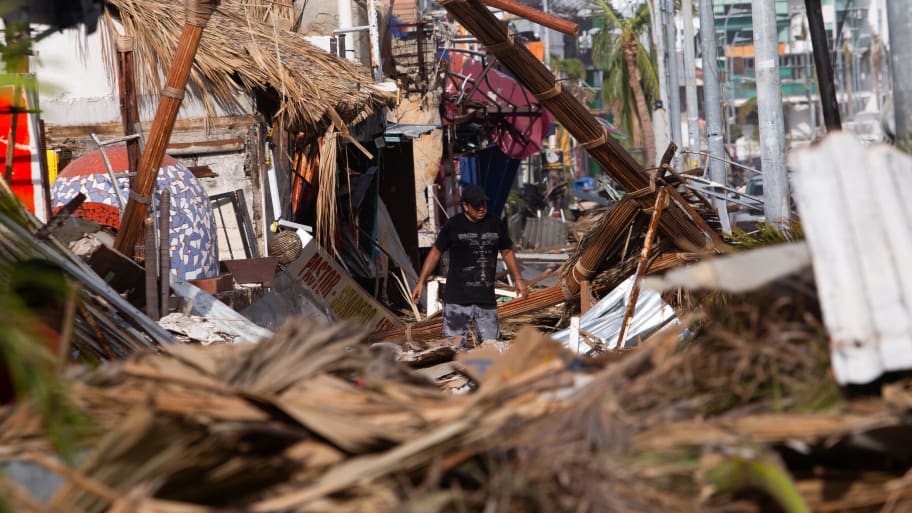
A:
x,y
474,202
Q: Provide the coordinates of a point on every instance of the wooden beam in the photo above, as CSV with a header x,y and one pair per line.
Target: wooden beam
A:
x,y
198,13
535,16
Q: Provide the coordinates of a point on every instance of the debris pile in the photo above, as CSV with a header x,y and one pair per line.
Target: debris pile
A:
x,y
317,420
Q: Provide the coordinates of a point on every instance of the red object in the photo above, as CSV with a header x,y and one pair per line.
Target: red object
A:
x,y
26,180
92,163
517,135
51,340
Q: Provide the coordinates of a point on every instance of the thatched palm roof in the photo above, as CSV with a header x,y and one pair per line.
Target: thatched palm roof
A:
x,y
240,50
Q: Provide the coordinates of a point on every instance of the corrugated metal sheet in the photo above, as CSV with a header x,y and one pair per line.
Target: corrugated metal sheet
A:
x,y
605,318
855,208
543,233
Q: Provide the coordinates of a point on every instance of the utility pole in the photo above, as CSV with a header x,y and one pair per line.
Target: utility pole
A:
x,y
899,16
546,37
660,114
825,83
690,79
769,109
674,89
712,106
373,23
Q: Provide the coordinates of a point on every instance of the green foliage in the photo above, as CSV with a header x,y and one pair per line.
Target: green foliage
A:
x,y
608,54
746,109
767,234
572,67
26,336
757,473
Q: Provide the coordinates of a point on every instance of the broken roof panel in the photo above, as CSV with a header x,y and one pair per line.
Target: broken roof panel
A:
x,y
855,212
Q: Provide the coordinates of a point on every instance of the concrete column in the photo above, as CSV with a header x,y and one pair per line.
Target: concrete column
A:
x,y
712,105
674,91
690,80
769,107
899,18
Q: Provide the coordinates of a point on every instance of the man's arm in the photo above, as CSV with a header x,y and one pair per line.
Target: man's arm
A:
x,y
509,259
430,263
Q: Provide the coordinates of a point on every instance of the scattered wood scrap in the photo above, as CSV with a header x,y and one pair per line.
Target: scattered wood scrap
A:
x,y
315,419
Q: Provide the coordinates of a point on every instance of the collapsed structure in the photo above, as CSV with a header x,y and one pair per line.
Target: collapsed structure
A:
x,y
350,416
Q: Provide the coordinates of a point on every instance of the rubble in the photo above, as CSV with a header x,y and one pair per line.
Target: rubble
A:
x,y
720,386
314,419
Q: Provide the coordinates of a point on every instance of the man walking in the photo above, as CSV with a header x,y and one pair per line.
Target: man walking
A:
x,y
473,240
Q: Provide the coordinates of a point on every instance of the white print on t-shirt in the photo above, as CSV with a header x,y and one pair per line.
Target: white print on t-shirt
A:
x,y
480,248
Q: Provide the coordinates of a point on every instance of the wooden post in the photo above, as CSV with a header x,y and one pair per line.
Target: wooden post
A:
x,y
535,16
164,250
642,264
151,270
198,13
585,296
15,109
129,109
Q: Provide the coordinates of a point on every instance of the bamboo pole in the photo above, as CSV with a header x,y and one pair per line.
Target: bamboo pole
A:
x,y
432,328
603,242
198,13
129,109
535,16
151,269
682,224
11,135
164,251
661,197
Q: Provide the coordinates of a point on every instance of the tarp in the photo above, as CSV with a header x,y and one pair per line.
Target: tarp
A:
x,y
518,135
492,170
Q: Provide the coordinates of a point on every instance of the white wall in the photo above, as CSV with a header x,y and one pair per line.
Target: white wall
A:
x,y
76,91
76,88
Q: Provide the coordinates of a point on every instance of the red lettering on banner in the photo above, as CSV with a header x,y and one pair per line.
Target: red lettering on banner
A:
x,y
319,275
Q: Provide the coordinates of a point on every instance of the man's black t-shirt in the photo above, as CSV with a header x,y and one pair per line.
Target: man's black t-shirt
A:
x,y
473,251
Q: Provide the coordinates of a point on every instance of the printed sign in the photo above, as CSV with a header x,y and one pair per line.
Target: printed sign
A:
x,y
338,291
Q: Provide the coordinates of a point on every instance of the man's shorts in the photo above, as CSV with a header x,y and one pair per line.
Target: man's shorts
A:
x,y
457,320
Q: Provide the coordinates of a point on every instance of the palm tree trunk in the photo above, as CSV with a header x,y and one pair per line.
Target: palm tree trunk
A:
x,y
633,74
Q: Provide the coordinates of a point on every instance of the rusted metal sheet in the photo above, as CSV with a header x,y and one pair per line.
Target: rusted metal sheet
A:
x,y
252,270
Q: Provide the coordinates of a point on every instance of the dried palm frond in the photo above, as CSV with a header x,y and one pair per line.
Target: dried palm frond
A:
x,y
326,193
266,10
238,50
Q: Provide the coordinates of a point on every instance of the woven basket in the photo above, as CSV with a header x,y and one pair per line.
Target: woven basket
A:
x,y
286,246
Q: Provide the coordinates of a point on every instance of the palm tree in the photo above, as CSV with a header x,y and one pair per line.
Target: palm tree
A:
x,y
630,71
